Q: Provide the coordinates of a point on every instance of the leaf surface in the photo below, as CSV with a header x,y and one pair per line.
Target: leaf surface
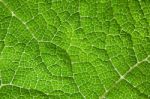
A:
x,y
74,49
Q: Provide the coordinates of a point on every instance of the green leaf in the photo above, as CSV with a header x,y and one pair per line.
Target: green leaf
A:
x,y
74,49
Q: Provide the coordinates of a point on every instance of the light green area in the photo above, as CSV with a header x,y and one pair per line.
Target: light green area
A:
x,y
74,49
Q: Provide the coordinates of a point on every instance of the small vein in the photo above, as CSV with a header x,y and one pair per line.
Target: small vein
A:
x,y
14,15
123,77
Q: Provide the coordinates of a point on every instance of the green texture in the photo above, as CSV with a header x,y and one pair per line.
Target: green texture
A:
x,y
74,49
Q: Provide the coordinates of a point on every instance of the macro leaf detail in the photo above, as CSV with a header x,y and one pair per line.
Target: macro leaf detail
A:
x,y
74,49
